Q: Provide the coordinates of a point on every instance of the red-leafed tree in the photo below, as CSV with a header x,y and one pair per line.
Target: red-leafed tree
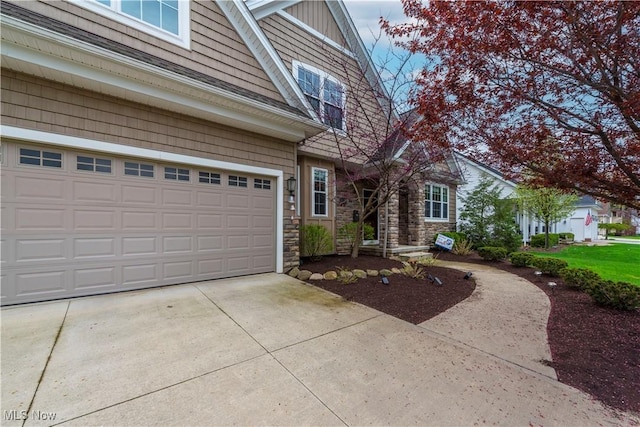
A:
x,y
547,88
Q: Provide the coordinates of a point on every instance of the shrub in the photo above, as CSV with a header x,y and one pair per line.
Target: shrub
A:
x,y
492,253
346,276
551,266
462,247
618,295
521,259
412,269
315,241
428,261
537,241
566,236
580,278
349,230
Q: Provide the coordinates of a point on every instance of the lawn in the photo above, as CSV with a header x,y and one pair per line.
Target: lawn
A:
x,y
624,237
617,261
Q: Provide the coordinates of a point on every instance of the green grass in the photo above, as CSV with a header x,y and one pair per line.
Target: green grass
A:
x,y
624,237
617,261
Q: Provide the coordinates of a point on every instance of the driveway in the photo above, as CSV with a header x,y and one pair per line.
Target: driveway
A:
x,y
261,350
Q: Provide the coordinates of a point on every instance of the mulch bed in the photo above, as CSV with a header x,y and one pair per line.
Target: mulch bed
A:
x,y
594,349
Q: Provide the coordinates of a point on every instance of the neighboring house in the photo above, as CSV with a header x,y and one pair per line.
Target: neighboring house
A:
x,y
150,143
583,222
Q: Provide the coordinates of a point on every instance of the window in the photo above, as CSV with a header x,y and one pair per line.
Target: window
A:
x,y
237,181
93,164
138,169
166,19
324,92
320,197
436,202
264,184
209,178
176,174
48,159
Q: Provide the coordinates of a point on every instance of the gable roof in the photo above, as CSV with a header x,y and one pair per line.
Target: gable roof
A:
x,y
495,173
37,44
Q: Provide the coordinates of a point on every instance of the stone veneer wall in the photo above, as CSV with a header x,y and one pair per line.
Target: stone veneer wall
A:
x,y
291,243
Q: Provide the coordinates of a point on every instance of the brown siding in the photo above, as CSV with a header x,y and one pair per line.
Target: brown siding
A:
x,y
293,43
316,15
306,181
216,49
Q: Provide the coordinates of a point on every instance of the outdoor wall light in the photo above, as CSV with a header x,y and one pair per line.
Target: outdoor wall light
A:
x,y
291,185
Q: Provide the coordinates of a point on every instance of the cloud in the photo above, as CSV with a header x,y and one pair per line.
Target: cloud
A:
x,y
366,17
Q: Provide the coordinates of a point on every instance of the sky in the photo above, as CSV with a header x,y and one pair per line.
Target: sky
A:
x,y
366,15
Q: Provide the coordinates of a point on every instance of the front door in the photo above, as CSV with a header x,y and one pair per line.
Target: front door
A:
x,y
372,219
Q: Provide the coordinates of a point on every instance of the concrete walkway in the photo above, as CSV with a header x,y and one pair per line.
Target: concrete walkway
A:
x,y
265,350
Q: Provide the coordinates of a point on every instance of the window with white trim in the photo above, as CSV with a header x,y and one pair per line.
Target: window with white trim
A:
x,y
50,159
166,19
138,169
176,174
93,164
209,178
324,92
320,193
436,202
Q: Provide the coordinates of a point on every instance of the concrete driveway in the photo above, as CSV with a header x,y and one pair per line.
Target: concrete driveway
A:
x,y
261,350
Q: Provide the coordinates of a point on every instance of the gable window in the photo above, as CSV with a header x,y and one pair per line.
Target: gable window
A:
x,y
48,159
324,92
93,164
320,195
166,19
436,202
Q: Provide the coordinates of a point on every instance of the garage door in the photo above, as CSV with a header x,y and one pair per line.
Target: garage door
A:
x,y
80,223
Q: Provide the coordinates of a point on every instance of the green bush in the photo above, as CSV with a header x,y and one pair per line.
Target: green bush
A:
x,y
618,295
521,259
551,266
566,236
315,241
580,278
492,253
349,230
537,241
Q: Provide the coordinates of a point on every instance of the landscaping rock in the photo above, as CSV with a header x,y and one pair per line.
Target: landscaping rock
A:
x,y
372,273
386,273
316,276
304,275
346,274
396,270
294,272
360,274
330,275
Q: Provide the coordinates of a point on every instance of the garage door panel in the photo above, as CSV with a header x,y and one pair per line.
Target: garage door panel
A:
x,y
140,195
141,245
94,192
42,282
177,221
68,233
40,219
136,220
92,247
140,273
177,244
36,189
31,250
95,219
176,197
98,278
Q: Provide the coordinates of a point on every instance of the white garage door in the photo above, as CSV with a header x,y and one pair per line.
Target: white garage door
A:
x,y
82,223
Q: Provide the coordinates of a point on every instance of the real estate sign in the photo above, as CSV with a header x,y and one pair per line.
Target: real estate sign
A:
x,y
445,242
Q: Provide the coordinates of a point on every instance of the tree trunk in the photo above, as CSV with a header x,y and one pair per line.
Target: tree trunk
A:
x,y
357,240
546,235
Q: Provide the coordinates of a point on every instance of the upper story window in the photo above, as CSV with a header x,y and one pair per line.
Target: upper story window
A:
x,y
325,94
320,196
166,19
436,202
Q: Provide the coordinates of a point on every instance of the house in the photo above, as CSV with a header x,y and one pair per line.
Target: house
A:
x,y
154,143
583,222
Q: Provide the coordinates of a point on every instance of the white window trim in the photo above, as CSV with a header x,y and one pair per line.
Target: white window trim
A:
x,y
431,219
324,76
183,38
313,193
